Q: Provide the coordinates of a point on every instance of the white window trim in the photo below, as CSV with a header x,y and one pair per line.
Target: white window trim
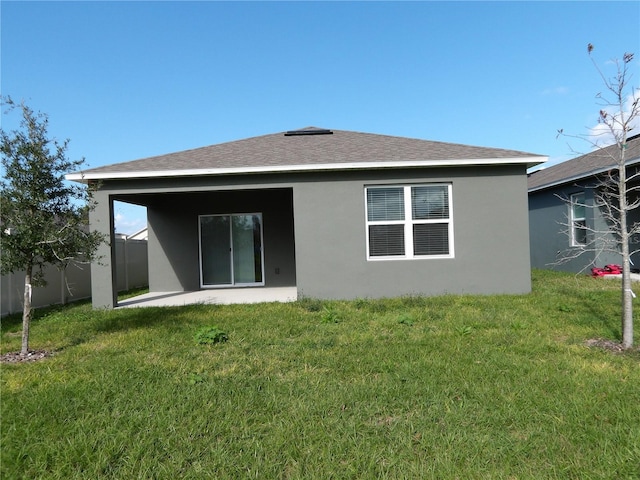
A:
x,y
408,223
573,219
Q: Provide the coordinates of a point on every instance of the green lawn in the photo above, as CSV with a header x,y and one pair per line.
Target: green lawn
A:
x,y
452,387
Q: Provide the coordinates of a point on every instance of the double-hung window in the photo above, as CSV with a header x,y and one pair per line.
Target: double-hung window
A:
x,y
578,221
409,221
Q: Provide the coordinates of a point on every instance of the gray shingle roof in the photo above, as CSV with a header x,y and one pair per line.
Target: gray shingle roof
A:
x,y
279,151
598,161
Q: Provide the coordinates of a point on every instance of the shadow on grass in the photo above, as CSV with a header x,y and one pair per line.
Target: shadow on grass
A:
x,y
13,321
126,320
64,326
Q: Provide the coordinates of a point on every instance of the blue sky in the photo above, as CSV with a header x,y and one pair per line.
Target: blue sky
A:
x,y
128,80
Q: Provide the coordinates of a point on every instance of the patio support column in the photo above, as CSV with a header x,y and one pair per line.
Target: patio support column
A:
x,y
103,280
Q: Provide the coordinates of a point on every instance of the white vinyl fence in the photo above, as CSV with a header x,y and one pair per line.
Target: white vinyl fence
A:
x,y
132,271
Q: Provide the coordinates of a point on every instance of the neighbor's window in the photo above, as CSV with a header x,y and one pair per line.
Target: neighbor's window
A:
x,y
578,221
409,222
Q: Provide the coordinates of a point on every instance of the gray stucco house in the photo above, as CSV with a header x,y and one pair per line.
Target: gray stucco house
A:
x,y
564,218
337,214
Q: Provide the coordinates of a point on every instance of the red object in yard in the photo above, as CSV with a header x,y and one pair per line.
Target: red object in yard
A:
x,y
607,270
613,269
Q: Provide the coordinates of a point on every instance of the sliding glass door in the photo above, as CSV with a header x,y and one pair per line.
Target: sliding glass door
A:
x,y
231,250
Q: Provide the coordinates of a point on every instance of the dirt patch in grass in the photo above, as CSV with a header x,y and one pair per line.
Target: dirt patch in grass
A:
x,y
32,356
609,345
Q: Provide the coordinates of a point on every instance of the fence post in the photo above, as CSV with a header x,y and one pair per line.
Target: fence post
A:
x,y
125,245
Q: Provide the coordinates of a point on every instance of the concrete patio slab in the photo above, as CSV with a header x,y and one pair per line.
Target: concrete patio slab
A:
x,y
223,296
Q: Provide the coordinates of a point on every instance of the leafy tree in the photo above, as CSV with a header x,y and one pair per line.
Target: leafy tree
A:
x,y
616,192
43,219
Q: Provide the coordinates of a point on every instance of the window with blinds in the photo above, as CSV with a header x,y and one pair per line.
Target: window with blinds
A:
x,y
578,221
412,221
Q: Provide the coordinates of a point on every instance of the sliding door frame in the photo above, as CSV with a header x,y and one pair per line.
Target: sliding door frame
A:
x,y
232,252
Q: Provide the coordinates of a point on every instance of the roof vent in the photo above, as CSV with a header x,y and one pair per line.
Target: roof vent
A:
x,y
309,131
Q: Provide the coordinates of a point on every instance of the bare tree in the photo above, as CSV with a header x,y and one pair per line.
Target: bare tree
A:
x,y
616,192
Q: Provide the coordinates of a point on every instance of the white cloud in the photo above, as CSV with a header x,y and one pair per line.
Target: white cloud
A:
x,y
602,134
555,91
129,218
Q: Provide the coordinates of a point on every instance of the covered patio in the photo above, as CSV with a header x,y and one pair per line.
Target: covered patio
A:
x,y
223,296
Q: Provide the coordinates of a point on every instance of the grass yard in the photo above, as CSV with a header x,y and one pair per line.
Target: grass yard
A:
x,y
452,387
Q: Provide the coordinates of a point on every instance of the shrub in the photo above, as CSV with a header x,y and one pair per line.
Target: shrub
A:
x,y
210,335
329,315
405,319
195,378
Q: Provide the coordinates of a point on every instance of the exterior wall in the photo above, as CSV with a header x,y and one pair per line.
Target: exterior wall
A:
x,y
490,236
549,236
173,247
103,281
314,231
548,230
634,218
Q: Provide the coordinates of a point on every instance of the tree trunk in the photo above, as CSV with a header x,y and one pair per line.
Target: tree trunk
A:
x,y
627,292
26,311
627,303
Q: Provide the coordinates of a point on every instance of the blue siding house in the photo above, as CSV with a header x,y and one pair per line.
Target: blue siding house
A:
x,y
567,227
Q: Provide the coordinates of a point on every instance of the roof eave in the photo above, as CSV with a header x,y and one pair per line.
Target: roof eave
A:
x,y
84,177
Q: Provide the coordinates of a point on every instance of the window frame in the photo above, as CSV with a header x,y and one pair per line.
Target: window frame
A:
x,y
408,222
573,219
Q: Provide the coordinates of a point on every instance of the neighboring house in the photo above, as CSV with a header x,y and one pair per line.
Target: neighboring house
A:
x,y
141,234
563,218
338,214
